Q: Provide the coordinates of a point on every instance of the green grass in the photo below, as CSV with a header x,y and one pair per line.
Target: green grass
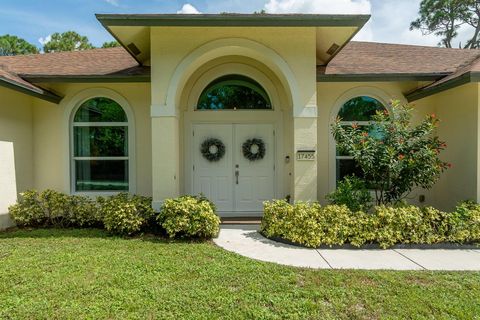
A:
x,y
78,274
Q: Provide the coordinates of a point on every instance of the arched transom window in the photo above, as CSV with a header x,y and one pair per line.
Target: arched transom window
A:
x,y
360,111
100,157
234,92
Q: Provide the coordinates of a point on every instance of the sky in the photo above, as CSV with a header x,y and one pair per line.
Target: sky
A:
x,y
35,20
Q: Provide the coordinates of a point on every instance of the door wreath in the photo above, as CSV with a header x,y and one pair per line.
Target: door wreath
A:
x,y
254,149
212,149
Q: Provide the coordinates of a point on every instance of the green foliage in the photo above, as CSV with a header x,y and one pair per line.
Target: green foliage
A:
x,y
54,209
394,155
313,225
353,193
121,214
87,274
67,41
465,222
110,44
13,45
191,217
445,17
124,214
234,92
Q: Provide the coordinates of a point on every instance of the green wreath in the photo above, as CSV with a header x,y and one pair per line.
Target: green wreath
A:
x,y
212,149
254,149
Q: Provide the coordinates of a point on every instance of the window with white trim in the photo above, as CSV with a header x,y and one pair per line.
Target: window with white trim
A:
x,y
100,150
359,111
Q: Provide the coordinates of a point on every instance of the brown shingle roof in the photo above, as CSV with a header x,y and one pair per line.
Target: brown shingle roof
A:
x,y
356,59
381,58
110,63
13,81
95,62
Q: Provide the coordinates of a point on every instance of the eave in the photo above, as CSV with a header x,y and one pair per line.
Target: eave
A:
x,y
41,94
232,20
465,78
88,78
376,77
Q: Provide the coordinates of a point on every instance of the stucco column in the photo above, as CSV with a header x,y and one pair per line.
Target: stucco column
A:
x,y
165,154
305,138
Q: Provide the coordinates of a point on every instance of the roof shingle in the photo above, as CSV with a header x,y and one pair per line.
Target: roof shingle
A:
x,y
382,58
95,62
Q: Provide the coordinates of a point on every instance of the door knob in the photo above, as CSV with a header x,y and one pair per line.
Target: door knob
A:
x,y
237,173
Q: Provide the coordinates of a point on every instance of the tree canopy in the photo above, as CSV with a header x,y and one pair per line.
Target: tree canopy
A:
x,y
444,17
110,44
67,41
13,45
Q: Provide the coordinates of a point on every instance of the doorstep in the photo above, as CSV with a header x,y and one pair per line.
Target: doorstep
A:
x,y
241,220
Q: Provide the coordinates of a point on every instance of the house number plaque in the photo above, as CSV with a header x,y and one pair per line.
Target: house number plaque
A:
x,y
306,155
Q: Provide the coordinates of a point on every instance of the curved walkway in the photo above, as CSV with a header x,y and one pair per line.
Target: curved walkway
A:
x,y
246,241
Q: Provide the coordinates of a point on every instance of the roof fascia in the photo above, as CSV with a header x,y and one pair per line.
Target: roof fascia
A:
x,y
232,20
87,79
46,95
450,84
375,77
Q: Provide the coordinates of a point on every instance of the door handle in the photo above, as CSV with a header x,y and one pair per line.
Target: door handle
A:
x,y
237,173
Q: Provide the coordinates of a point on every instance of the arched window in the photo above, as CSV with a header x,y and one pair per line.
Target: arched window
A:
x,y
100,147
234,92
360,111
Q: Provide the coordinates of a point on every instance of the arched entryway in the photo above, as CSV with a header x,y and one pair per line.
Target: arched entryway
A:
x,y
233,123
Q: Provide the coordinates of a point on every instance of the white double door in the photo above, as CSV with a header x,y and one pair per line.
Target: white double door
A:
x,y
235,184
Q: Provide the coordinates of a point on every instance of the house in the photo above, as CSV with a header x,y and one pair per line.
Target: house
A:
x,y
237,107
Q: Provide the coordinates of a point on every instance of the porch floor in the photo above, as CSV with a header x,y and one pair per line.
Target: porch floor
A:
x,y
247,241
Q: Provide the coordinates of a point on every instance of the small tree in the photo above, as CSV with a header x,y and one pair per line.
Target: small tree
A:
x,y
67,41
394,155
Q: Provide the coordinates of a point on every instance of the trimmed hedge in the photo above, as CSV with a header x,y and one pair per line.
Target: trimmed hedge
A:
x,y
121,214
313,225
54,209
188,216
124,214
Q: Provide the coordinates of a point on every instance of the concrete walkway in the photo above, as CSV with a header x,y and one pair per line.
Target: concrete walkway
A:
x,y
246,241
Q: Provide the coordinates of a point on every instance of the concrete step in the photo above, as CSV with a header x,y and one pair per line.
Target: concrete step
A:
x,y
241,220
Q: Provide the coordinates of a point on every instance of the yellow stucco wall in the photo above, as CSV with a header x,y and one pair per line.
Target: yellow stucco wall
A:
x,y
16,127
51,134
457,110
276,49
16,169
304,110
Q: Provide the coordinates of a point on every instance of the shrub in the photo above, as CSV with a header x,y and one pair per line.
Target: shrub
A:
x,y
53,209
28,211
464,223
188,216
394,155
124,214
296,223
353,193
313,225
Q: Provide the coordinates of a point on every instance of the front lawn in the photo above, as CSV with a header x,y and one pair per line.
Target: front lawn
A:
x,y
66,274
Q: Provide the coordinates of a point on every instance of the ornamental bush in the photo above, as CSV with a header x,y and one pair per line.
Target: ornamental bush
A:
x,y
313,225
394,155
124,214
54,209
189,217
353,193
